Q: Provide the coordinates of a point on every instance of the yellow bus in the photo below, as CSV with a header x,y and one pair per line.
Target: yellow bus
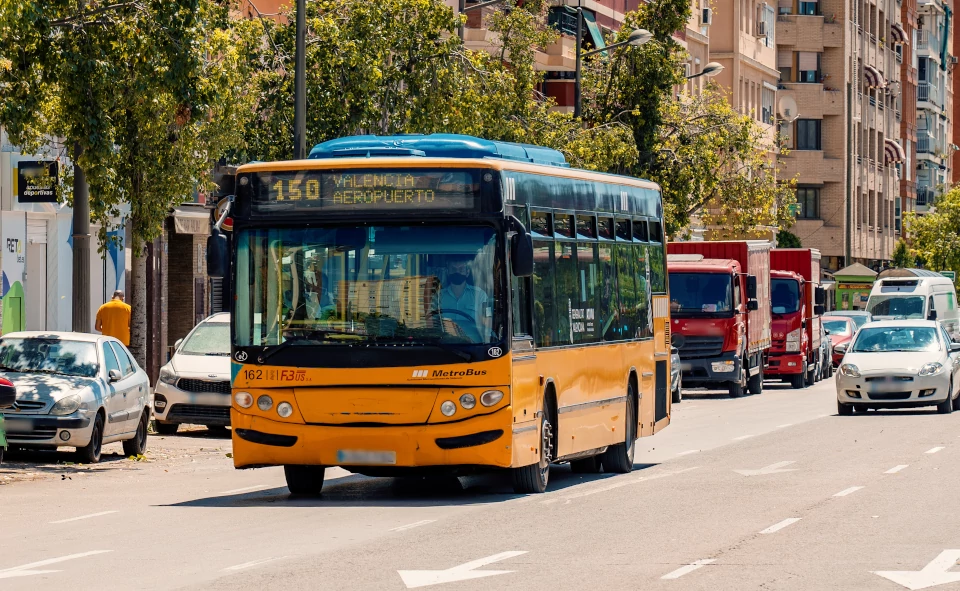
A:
x,y
418,304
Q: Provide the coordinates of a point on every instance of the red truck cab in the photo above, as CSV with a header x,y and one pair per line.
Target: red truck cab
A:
x,y
796,301
719,321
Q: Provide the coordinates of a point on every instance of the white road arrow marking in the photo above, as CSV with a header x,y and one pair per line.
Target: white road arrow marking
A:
x,y
934,574
27,569
771,469
423,578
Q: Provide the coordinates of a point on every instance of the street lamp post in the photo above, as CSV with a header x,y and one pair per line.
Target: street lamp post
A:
x,y
300,85
637,37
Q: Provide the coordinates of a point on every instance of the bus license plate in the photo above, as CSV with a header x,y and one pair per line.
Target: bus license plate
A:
x,y
349,457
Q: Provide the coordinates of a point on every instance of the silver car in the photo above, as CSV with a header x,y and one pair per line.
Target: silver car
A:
x,y
676,393
194,387
75,389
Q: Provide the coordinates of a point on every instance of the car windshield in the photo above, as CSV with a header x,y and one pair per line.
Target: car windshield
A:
x,y
858,319
896,338
785,296
209,338
905,307
363,285
837,327
693,293
49,355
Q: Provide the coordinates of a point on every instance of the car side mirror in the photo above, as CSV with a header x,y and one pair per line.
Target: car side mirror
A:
x,y
751,287
753,305
675,351
841,348
932,315
954,347
114,375
521,250
218,260
177,344
819,309
825,331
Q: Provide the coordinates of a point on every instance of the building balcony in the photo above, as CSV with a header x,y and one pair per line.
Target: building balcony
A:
x,y
928,44
812,167
817,34
928,97
814,101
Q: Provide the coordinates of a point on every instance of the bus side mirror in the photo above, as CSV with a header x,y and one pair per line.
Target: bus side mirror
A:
x,y
753,305
819,309
218,261
521,249
751,287
819,296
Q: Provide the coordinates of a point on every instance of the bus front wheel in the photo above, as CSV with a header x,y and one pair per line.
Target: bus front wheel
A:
x,y
304,480
534,478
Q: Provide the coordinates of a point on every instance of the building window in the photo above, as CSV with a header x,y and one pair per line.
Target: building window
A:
x,y
808,198
767,107
808,134
896,213
808,67
810,8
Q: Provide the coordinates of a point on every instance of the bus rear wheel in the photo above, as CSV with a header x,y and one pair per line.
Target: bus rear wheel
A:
x,y
533,479
304,480
618,458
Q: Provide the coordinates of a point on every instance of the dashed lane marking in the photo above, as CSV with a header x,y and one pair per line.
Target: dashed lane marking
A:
x,y
686,570
896,469
413,525
244,489
253,563
82,517
742,437
848,491
688,452
777,527
935,450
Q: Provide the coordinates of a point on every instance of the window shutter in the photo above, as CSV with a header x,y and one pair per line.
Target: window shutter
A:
x,y
784,59
807,60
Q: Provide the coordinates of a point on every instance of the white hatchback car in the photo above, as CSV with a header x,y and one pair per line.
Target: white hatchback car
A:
x,y
899,364
75,389
194,387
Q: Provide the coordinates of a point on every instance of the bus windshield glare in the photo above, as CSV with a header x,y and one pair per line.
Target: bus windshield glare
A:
x,y
368,285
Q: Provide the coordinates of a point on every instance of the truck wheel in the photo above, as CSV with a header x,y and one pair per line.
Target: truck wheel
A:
x,y
736,388
755,384
810,375
796,380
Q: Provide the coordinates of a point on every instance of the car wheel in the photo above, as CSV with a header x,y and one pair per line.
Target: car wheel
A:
x,y
946,407
956,401
618,458
304,480
533,479
844,410
90,453
677,394
591,465
166,428
138,445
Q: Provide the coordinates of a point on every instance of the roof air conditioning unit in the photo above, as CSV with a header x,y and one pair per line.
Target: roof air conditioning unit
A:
x,y
761,29
707,17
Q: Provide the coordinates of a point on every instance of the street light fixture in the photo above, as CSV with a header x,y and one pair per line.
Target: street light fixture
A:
x,y
637,37
710,70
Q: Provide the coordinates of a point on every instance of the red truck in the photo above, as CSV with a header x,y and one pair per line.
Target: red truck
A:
x,y
720,310
797,301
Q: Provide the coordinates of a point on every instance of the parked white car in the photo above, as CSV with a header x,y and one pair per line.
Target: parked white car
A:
x,y
75,389
194,387
899,364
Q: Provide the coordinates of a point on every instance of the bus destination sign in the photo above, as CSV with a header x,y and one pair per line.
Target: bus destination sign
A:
x,y
390,190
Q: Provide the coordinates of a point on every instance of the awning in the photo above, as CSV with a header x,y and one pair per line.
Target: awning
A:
x,y
872,78
594,29
191,220
893,152
898,35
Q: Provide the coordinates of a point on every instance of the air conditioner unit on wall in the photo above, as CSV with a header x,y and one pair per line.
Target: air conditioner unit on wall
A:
x,y
707,17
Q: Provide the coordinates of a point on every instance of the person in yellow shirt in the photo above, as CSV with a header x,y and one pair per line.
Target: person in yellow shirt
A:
x,y
113,318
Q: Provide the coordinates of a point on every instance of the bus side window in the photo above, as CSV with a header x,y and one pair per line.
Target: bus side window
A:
x,y
607,302
520,302
544,318
641,272
588,279
627,289
567,293
658,268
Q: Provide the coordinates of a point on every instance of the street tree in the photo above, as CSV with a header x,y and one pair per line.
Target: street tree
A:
x,y
144,95
902,257
935,235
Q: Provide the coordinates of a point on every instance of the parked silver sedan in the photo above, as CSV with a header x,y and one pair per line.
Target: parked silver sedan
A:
x,y
75,389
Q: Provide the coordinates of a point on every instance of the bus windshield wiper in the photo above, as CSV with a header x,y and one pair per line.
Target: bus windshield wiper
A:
x,y
444,346
316,336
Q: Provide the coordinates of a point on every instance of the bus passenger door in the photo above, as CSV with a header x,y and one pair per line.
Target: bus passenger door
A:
x,y
525,388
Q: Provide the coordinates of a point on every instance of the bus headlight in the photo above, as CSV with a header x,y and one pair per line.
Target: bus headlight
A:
x,y
284,409
264,403
491,397
448,408
467,401
244,399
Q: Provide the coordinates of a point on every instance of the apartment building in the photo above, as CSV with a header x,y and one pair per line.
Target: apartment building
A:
x,y
934,108
839,63
906,108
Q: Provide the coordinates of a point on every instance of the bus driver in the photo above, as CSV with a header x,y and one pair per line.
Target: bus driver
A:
x,y
461,302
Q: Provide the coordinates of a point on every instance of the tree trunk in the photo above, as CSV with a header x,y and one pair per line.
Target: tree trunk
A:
x,y
138,303
81,247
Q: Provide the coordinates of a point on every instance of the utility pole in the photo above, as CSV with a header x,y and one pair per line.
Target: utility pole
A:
x,y
81,246
300,85
576,82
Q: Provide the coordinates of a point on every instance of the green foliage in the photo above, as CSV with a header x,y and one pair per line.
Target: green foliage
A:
x,y
902,257
144,94
787,239
935,236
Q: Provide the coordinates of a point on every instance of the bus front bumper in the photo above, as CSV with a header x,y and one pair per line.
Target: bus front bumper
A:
x,y
484,440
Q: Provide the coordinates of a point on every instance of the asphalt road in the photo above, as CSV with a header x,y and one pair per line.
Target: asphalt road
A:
x,y
765,492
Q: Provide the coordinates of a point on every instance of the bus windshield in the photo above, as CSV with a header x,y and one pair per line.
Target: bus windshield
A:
x,y
699,293
368,285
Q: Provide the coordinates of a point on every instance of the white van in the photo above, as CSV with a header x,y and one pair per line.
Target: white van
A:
x,y
915,294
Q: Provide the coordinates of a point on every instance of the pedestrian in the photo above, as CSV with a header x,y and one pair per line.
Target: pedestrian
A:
x,y
113,318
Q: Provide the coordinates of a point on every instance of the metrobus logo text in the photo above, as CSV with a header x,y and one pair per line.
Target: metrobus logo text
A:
x,y
439,373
